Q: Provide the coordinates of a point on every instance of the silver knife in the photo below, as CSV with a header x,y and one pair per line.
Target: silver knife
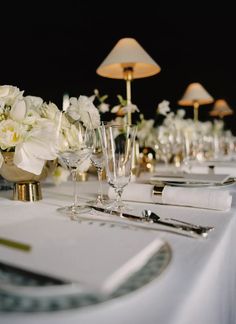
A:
x,y
118,213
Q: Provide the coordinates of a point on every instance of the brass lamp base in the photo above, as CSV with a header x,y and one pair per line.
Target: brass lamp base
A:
x,y
27,191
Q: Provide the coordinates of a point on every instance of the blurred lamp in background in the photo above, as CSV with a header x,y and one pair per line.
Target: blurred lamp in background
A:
x,y
195,95
128,61
221,109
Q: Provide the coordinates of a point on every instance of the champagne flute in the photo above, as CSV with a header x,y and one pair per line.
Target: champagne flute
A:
x,y
73,148
97,159
118,142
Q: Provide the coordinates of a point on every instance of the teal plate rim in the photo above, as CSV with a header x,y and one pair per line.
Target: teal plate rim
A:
x,y
10,302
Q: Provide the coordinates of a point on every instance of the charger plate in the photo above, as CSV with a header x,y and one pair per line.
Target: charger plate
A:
x,y
44,294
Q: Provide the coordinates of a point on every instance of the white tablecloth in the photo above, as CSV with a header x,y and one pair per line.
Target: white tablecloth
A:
x,y
198,286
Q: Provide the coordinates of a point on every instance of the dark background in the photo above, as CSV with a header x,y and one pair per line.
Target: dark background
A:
x,y
48,51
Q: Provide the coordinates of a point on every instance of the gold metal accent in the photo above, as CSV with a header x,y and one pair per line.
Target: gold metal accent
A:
x,y
26,184
128,76
135,168
27,191
82,176
195,110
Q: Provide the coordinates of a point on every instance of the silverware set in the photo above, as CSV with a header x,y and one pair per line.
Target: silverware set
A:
x,y
149,217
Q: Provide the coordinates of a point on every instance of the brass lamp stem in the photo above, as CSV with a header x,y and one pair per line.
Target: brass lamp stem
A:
x,y
195,110
128,76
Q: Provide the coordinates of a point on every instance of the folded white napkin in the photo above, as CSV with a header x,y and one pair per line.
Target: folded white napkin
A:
x,y
196,197
59,251
192,197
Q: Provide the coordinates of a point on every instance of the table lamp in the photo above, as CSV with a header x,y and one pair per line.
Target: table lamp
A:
x,y
128,61
195,95
221,109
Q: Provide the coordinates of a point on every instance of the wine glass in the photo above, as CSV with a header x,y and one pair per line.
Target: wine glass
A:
x,y
118,143
74,146
97,159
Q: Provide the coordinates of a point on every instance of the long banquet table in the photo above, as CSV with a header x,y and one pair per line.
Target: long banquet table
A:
x,y
197,286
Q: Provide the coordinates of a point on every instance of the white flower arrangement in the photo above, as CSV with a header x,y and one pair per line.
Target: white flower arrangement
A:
x,y
146,132
163,108
103,107
123,107
29,126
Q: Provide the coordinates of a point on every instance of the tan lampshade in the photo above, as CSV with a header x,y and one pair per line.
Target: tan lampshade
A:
x,y
128,53
195,92
221,109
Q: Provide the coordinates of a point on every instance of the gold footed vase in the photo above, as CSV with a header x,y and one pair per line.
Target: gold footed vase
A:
x,y
27,186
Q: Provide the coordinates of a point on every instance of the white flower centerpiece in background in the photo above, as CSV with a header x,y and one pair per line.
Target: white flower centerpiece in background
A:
x,y
83,110
147,137
120,110
123,107
181,140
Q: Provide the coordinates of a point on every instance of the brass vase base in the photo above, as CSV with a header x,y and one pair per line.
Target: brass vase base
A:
x,y
27,191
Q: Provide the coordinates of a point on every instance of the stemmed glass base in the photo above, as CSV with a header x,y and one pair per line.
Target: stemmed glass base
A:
x,y
101,200
117,204
105,202
74,211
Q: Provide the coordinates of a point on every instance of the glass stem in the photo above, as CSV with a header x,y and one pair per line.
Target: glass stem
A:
x,y
100,188
74,179
118,192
